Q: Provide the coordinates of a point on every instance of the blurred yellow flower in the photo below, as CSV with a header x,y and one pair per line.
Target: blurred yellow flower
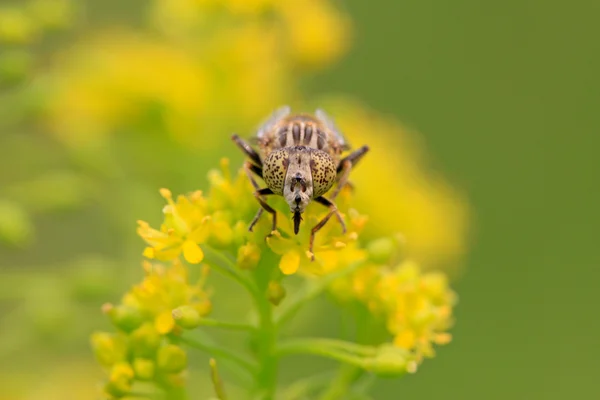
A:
x,y
315,44
16,26
107,82
318,32
430,214
27,22
52,14
194,75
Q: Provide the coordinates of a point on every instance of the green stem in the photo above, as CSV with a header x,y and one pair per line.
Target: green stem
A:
x,y
330,348
295,346
219,352
223,265
304,388
339,387
227,325
267,339
311,291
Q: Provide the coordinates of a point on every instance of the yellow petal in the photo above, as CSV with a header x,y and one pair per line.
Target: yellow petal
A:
x,y
290,262
164,322
405,339
279,244
148,252
192,252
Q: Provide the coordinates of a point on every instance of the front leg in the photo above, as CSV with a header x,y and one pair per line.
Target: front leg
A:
x,y
248,150
264,206
249,168
332,210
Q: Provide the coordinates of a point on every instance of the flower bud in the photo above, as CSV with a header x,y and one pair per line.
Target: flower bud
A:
x,y
204,307
381,250
125,317
171,358
144,341
391,361
121,379
108,348
221,234
187,317
174,380
275,292
248,256
144,369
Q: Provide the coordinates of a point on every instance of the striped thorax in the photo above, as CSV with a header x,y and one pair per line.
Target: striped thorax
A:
x,y
314,132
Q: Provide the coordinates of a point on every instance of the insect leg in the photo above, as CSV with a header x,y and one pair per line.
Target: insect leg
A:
x,y
344,173
332,211
249,168
264,206
256,218
247,149
328,203
353,157
344,167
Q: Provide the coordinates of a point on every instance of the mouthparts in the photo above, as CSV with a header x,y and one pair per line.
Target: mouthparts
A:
x,y
297,218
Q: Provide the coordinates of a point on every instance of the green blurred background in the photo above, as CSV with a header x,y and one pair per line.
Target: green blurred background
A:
x,y
505,97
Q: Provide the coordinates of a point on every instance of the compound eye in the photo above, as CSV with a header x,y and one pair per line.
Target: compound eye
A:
x,y
274,170
323,172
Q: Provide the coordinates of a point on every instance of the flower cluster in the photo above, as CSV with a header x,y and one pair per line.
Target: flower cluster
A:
x,y
148,319
416,306
220,220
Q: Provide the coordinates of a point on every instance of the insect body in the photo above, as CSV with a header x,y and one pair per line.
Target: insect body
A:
x,y
299,158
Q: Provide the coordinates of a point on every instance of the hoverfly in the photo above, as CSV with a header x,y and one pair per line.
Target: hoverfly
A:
x,y
299,158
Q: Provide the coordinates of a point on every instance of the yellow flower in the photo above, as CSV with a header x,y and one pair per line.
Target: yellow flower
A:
x,y
232,197
184,228
164,289
418,307
329,241
145,319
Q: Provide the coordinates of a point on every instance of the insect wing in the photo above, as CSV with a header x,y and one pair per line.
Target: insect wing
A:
x,y
277,116
328,121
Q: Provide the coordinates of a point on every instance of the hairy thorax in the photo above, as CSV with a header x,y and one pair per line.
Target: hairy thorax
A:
x,y
301,130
